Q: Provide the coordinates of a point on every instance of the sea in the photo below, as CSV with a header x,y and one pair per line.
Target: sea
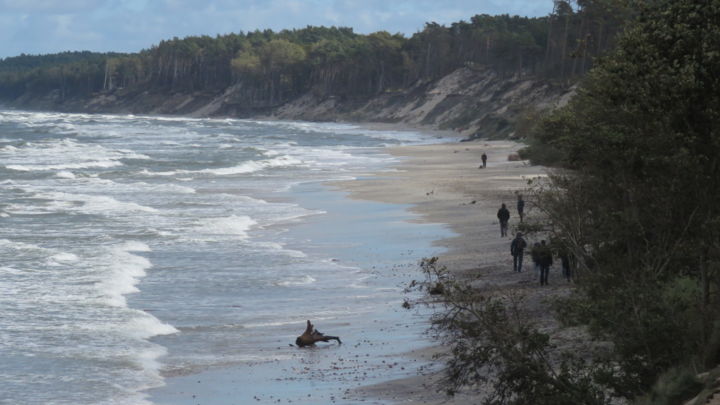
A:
x,y
137,249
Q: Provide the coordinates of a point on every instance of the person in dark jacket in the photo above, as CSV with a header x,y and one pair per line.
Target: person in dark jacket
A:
x,y
520,207
503,215
311,336
546,260
517,250
484,160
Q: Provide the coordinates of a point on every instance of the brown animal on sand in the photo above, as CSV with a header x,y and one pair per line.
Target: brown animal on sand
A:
x,y
311,335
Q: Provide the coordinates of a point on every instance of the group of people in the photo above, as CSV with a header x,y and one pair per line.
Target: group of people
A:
x,y
542,257
541,253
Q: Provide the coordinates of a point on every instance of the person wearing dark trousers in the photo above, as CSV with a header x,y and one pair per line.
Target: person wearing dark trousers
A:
x,y
517,249
521,207
546,260
503,215
484,160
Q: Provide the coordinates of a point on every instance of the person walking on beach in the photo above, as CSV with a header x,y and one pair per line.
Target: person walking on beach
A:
x,y
546,260
520,207
517,250
311,336
503,215
484,160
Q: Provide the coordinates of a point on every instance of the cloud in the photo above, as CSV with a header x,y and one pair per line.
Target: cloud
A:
x,y
48,6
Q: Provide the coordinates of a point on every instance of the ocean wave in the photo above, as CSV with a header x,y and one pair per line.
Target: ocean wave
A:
x,y
63,154
280,248
124,270
296,281
146,172
62,259
397,136
15,245
91,204
243,168
145,326
160,188
254,166
234,225
65,175
85,165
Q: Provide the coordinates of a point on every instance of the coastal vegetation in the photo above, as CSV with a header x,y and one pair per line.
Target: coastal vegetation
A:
x,y
633,199
269,68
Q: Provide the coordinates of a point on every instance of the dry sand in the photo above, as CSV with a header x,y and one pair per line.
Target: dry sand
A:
x,y
444,184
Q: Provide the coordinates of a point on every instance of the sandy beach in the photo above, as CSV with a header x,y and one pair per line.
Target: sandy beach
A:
x,y
437,195
444,184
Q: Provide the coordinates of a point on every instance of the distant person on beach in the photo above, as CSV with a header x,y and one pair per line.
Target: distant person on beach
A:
x,y
517,250
546,260
311,336
520,207
503,215
484,160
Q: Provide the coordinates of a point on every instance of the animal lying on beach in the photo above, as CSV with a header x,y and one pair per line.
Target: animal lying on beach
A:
x,y
311,335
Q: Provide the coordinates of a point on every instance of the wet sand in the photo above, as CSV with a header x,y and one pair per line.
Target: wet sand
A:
x,y
387,359
444,184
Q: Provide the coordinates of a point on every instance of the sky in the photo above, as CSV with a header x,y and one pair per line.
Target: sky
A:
x,y
50,26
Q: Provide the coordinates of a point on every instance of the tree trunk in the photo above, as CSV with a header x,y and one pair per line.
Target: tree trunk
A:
x,y
564,47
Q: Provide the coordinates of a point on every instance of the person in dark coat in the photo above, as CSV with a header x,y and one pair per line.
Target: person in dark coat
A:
x,y
503,215
311,336
520,207
545,258
484,160
517,250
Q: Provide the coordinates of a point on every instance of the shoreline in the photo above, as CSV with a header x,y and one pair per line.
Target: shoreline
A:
x,y
443,184
436,184
378,239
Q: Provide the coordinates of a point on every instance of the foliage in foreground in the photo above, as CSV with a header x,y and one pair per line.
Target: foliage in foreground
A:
x,y
638,206
497,351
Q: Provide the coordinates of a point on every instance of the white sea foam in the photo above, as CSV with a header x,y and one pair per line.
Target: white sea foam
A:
x,y
91,204
351,129
145,326
63,154
158,188
63,258
65,175
243,168
254,166
85,165
124,269
9,244
280,248
149,173
233,225
296,281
